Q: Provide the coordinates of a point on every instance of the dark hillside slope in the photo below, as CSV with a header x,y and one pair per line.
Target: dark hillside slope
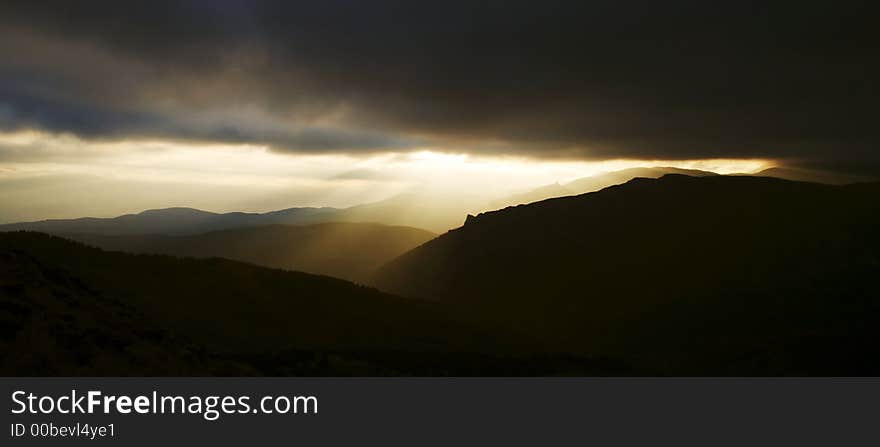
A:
x,y
67,309
713,275
52,323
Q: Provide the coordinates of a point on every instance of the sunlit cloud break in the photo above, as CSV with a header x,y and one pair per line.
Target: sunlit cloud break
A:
x,y
137,174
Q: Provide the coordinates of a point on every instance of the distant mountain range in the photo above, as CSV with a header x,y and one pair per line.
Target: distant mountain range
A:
x,y
413,210
710,276
436,213
351,251
173,221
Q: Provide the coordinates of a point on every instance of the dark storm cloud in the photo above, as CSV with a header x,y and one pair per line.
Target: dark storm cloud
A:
x,y
675,79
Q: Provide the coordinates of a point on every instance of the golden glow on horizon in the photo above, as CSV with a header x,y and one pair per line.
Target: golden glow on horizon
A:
x,y
140,174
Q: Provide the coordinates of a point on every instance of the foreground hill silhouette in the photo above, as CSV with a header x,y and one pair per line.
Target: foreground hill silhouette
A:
x,y
351,251
68,309
709,276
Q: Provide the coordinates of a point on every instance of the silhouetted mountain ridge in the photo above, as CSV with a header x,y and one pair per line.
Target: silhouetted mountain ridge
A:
x,y
708,276
813,175
593,183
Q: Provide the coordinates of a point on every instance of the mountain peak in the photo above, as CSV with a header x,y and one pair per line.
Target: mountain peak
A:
x,y
177,210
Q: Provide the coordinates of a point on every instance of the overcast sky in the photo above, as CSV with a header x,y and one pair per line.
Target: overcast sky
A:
x,y
579,81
